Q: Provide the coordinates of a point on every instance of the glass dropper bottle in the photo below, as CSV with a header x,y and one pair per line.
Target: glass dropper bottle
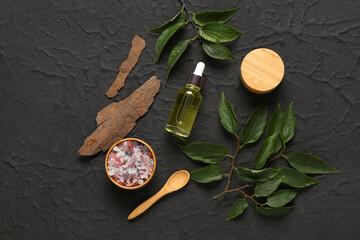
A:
x,y
186,104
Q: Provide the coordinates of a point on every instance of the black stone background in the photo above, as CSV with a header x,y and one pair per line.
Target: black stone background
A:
x,y
57,59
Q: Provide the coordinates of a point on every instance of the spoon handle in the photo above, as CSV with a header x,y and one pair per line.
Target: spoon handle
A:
x,y
147,204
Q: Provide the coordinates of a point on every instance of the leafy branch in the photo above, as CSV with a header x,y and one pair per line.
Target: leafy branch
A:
x,y
210,29
268,200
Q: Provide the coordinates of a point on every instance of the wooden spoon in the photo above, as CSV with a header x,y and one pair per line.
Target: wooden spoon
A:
x,y
175,182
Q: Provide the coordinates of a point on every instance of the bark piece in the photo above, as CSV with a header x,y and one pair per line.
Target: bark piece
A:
x,y
116,120
137,46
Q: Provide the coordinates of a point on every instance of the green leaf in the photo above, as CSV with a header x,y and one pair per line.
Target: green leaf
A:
x,y
217,51
281,197
264,189
257,175
274,127
219,32
274,212
307,163
287,130
205,152
265,151
227,116
176,53
206,17
237,209
179,18
255,125
296,179
207,174
164,38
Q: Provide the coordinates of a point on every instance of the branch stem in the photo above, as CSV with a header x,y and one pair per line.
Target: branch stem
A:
x,y
251,197
232,168
243,193
189,13
232,164
276,157
234,190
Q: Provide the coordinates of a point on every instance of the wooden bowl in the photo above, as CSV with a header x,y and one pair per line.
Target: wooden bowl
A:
x,y
147,180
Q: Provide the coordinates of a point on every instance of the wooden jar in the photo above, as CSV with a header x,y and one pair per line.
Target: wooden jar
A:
x,y
262,70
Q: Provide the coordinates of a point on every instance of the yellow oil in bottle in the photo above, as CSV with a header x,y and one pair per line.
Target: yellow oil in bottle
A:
x,y
184,111
186,105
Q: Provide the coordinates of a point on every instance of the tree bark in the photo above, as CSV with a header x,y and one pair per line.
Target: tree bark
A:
x,y
116,120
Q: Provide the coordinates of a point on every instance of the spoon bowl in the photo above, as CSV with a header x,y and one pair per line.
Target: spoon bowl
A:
x,y
175,182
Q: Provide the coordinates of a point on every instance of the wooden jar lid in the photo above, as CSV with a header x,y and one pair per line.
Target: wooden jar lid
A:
x,y
262,70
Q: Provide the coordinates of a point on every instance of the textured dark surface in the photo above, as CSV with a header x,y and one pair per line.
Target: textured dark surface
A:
x,y
57,59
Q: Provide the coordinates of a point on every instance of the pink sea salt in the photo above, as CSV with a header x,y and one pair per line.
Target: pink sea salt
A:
x,y
130,163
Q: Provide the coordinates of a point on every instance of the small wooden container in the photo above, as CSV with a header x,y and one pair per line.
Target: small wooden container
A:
x,y
147,180
262,70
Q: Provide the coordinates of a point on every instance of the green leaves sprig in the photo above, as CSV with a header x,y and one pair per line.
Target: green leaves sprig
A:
x,y
210,29
268,198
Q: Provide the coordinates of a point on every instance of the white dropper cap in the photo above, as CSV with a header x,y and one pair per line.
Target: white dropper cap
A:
x,y
200,66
